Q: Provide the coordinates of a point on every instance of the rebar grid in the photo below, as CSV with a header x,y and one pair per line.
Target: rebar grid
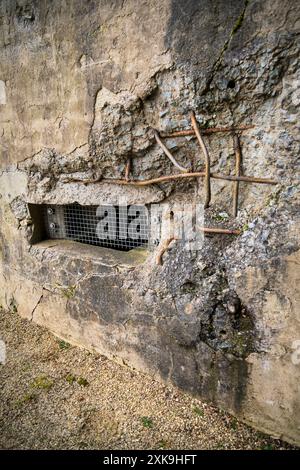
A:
x,y
197,132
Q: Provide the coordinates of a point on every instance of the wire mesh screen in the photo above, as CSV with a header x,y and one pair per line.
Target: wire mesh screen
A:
x,y
118,227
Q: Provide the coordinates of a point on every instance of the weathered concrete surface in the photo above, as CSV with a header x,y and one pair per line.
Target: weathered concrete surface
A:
x,y
81,85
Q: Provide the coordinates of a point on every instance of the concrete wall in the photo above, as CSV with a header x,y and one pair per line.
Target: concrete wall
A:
x,y
81,86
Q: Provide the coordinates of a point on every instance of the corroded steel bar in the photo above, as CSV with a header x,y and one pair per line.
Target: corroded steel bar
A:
x,y
224,231
128,169
207,159
167,152
207,131
200,174
163,249
238,165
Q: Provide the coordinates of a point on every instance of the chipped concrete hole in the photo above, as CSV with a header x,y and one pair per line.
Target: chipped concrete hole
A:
x,y
218,321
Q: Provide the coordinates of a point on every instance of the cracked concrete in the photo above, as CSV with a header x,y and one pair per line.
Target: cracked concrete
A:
x,y
36,306
237,25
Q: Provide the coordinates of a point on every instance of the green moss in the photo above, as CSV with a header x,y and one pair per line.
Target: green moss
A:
x,y
71,378
239,21
137,256
221,217
237,25
69,292
198,411
42,382
103,28
82,381
242,341
63,344
268,447
162,444
28,397
147,422
234,424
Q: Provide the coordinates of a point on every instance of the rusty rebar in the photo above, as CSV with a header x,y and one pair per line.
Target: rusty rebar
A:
x,y
200,174
163,179
207,159
167,152
163,249
224,231
207,131
128,169
165,245
238,166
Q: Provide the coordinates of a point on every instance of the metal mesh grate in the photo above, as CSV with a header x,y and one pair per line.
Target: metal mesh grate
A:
x,y
118,227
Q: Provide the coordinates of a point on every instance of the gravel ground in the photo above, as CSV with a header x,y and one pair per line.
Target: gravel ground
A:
x,y
56,396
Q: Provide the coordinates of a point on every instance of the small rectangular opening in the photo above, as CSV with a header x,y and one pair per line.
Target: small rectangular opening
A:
x,y
118,227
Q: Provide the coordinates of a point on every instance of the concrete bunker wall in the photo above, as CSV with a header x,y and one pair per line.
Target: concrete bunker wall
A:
x,y
81,87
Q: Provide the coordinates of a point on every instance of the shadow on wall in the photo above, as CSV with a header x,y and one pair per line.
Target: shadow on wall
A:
x,y
198,31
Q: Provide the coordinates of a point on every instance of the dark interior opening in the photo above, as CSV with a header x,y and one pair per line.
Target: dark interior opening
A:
x,y
231,84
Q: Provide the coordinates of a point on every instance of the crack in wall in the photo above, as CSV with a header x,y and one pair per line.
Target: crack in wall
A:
x,y
237,25
36,306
